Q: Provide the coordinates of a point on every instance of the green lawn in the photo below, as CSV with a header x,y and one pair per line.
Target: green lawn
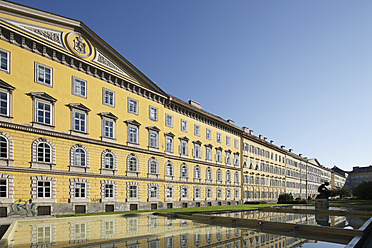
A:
x,y
182,210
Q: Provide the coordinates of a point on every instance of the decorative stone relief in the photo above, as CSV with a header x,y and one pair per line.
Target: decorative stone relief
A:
x,y
54,36
101,59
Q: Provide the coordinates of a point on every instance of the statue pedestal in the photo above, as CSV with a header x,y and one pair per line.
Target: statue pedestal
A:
x,y
321,203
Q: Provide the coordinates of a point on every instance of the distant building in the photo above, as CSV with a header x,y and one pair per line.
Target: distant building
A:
x,y
359,175
339,177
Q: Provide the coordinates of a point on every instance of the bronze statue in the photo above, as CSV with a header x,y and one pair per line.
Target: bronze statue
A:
x,y
324,193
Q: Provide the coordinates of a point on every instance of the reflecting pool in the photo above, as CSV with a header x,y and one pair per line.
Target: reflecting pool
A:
x,y
145,230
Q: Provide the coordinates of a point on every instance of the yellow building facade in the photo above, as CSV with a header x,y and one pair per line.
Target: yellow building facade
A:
x,y
83,130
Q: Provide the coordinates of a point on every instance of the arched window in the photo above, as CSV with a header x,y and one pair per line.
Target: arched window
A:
x,y
133,163
228,158
209,173
236,177
108,160
43,153
3,147
197,173
219,175
228,176
197,238
79,157
153,166
184,171
169,169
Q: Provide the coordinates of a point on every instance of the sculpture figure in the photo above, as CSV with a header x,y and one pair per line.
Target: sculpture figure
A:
x,y
324,193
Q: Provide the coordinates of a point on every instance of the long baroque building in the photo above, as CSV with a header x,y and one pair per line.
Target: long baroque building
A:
x,y
83,130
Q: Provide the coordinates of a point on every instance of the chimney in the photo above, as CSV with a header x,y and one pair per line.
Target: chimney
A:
x,y
231,122
290,150
251,132
300,155
195,104
260,136
283,146
246,129
271,141
265,139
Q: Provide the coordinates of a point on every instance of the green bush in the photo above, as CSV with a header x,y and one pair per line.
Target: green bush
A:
x,y
288,199
285,198
363,191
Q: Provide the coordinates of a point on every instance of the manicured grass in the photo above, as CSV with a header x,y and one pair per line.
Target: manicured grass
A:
x,y
181,210
350,202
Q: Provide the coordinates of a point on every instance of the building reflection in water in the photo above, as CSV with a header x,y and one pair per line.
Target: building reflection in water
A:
x,y
155,231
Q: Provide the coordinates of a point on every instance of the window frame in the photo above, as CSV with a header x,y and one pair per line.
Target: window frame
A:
x,y
153,113
197,130
184,125
208,134
105,91
135,106
169,120
74,83
37,65
8,57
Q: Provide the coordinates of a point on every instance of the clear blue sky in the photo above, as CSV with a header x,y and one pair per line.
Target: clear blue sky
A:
x,y
297,72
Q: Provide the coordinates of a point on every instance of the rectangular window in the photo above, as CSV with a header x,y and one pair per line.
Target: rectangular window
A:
x,y
183,125
44,113
197,151
109,191
169,144
4,103
183,192
108,97
80,190
133,191
196,130
169,120
133,134
3,188
218,137
228,140
184,150
209,134
5,61
197,193
153,113
169,192
209,153
44,74
79,121
44,235
44,189
236,143
219,156
79,87
153,192
209,193
109,126
132,106
153,139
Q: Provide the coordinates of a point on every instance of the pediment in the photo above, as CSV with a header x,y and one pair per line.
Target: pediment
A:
x,y
75,38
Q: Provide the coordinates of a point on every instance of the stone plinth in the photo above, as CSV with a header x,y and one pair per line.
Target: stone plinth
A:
x,y
321,203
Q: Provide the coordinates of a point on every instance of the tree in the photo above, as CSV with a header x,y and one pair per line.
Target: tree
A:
x,y
340,191
363,190
285,198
